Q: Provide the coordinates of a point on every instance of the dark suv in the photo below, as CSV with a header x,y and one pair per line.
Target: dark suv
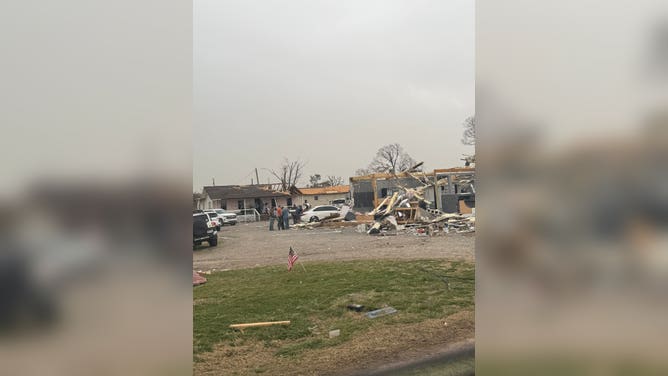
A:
x,y
204,230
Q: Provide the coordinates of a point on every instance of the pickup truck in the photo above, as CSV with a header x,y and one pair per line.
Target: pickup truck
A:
x,y
204,230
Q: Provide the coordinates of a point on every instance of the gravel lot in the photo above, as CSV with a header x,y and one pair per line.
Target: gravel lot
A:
x,y
247,245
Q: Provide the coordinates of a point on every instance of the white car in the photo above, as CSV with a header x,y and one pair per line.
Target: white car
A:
x,y
224,217
320,212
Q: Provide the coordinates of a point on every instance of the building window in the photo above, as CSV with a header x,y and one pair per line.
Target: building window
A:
x,y
240,204
463,189
289,201
383,192
315,198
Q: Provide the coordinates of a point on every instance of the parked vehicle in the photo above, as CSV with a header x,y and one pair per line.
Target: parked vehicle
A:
x,y
320,212
247,215
339,202
222,217
213,217
204,230
227,217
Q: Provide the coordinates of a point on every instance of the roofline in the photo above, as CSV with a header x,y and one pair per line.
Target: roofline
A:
x,y
299,190
455,169
386,175
223,198
267,192
406,174
238,185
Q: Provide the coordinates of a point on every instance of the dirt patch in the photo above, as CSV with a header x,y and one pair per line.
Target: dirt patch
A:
x,y
368,351
250,245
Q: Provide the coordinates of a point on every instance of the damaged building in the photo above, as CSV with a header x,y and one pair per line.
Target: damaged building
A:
x,y
450,190
320,195
234,197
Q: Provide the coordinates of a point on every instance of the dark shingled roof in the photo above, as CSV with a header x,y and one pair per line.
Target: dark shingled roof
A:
x,y
225,192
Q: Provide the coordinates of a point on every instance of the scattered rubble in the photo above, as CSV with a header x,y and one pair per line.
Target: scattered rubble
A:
x,y
362,228
405,211
198,279
408,211
460,224
381,312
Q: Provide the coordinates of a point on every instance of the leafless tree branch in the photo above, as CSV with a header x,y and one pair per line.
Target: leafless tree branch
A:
x,y
289,173
390,158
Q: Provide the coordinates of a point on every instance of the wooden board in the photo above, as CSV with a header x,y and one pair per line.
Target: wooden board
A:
x,y
256,324
463,208
409,215
364,218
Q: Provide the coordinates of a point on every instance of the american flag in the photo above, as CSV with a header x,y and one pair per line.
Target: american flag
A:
x,y
292,258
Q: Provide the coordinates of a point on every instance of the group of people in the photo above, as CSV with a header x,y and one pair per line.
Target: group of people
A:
x,y
281,215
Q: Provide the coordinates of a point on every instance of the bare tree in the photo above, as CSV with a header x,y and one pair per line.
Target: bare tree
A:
x,y
390,158
469,139
314,180
468,159
362,172
333,180
469,131
289,173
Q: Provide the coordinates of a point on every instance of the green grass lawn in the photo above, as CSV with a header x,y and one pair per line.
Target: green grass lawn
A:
x,y
315,301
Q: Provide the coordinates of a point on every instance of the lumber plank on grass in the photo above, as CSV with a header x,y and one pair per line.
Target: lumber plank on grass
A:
x,y
254,324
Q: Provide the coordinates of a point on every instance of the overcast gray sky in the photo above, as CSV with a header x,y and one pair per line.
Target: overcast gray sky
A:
x,y
328,82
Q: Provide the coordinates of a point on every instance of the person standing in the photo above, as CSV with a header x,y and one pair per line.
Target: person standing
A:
x,y
298,214
272,218
279,217
286,219
294,216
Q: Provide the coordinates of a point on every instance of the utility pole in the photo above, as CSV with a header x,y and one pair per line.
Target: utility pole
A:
x,y
257,177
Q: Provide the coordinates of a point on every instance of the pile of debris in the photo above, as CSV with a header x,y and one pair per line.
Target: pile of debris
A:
x,y
410,210
406,209
455,222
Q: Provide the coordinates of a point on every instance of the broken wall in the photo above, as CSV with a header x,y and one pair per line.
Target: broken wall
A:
x,y
386,187
362,194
